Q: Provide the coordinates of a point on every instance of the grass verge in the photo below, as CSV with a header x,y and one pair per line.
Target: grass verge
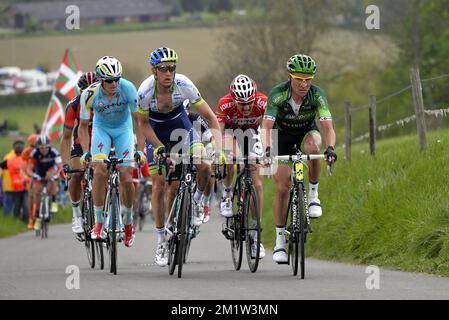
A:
x,y
391,210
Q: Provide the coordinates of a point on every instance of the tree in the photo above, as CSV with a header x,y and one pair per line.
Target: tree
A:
x,y
261,49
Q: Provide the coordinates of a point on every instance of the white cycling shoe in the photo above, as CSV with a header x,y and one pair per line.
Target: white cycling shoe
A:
x,y
226,207
280,255
161,257
198,214
77,225
315,210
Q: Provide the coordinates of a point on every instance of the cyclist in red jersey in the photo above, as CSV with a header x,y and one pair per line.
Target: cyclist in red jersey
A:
x,y
242,108
71,150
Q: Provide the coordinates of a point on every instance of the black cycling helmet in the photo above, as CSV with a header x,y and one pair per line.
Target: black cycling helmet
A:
x,y
43,141
87,79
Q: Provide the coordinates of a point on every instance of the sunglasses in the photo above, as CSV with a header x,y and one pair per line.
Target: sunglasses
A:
x,y
243,104
112,80
164,69
301,78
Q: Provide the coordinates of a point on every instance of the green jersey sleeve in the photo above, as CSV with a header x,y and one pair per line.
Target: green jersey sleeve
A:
x,y
323,105
276,97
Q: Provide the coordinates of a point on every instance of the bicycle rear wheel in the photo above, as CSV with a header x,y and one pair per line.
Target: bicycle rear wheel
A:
x,y
185,212
252,228
234,224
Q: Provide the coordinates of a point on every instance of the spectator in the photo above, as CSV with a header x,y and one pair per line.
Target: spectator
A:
x,y
25,159
7,187
19,195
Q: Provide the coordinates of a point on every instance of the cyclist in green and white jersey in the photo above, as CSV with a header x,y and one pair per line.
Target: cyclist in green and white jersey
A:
x,y
292,109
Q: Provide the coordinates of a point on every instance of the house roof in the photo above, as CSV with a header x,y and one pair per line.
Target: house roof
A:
x,y
92,8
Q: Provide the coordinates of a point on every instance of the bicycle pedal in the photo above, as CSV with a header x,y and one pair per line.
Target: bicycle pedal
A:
x,y
282,262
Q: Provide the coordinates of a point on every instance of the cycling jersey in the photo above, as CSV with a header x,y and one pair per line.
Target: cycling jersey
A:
x,y
72,118
112,121
228,113
165,125
42,163
280,110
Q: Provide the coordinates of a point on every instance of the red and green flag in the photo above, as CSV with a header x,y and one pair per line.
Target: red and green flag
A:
x,y
69,73
54,120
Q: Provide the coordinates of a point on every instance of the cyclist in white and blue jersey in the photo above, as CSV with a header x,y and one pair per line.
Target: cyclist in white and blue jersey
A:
x,y
161,113
114,104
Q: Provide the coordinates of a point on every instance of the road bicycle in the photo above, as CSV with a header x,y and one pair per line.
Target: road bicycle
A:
x,y
244,225
179,226
113,226
87,213
44,213
142,207
298,221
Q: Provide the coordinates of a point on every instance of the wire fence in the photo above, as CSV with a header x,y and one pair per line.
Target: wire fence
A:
x,y
423,102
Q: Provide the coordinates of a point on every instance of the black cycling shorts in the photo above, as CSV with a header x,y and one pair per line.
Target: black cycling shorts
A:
x,y
286,142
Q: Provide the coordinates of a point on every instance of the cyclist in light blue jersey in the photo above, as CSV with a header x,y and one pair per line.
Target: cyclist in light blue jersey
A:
x,y
161,114
114,104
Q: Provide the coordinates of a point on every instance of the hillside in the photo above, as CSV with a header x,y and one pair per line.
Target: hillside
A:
x,y
391,210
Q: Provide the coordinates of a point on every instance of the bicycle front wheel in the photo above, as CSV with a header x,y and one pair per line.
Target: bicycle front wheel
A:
x,y
297,232
234,225
185,213
89,244
115,211
252,228
173,242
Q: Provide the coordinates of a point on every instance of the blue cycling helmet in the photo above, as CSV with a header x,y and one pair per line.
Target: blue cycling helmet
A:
x,y
163,54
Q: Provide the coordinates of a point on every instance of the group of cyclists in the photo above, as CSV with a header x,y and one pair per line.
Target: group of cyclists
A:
x,y
148,124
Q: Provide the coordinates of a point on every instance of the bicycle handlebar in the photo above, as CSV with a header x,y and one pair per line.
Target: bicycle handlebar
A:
x,y
302,157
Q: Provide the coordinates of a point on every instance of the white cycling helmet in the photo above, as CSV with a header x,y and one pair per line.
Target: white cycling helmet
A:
x,y
109,68
243,89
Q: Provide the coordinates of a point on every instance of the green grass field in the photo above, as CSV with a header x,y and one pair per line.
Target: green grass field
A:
x,y
390,210
10,226
26,117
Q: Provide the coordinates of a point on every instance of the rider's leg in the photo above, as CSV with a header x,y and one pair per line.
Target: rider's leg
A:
x,y
75,187
282,180
172,191
99,189
37,188
127,185
312,145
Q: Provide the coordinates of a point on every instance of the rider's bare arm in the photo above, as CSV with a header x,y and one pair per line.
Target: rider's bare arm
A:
x,y
145,131
267,126
83,134
66,140
209,116
329,133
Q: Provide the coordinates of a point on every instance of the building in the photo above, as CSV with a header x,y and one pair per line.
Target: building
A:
x,y
53,15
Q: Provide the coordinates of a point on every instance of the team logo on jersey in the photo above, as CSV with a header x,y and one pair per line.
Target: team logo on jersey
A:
x,y
100,146
117,96
101,104
226,106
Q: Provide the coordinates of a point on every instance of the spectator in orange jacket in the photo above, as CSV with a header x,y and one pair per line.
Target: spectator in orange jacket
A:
x,y
19,195
7,187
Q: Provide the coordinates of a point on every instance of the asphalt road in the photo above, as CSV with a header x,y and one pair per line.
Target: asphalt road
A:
x,y
31,268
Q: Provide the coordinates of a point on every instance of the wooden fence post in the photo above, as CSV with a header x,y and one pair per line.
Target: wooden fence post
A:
x,y
418,102
348,130
372,123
